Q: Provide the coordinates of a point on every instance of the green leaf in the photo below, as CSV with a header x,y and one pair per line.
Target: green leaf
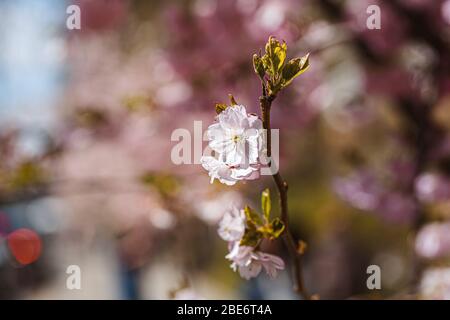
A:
x,y
279,56
277,227
253,216
220,107
267,64
276,53
272,230
266,204
293,69
258,65
251,236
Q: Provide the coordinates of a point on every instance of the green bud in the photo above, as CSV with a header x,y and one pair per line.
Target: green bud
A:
x,y
266,204
258,65
233,102
220,107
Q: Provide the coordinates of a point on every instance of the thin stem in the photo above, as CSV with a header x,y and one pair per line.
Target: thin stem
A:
x,y
282,186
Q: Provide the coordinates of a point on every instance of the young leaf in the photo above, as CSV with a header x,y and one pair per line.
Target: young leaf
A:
x,y
220,107
271,230
280,55
266,204
251,237
276,53
253,216
258,65
267,64
293,69
277,227
266,231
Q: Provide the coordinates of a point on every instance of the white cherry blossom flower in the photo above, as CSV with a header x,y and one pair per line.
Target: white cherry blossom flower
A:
x,y
226,174
232,225
242,258
218,170
250,270
237,140
236,136
271,263
249,262
239,254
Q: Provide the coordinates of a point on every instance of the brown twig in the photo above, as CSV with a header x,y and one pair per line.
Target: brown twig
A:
x,y
282,186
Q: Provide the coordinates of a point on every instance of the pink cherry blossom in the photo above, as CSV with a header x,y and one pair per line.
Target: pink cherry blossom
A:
x,y
249,262
236,138
232,225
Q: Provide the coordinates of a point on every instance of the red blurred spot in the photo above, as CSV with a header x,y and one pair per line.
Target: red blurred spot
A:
x,y
25,245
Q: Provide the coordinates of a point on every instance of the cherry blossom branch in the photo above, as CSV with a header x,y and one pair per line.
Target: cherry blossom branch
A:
x,y
282,186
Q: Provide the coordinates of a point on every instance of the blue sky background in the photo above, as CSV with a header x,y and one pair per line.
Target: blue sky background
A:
x,y
31,61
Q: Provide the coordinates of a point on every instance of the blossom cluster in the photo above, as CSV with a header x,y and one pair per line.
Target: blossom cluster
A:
x,y
237,141
245,259
244,230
